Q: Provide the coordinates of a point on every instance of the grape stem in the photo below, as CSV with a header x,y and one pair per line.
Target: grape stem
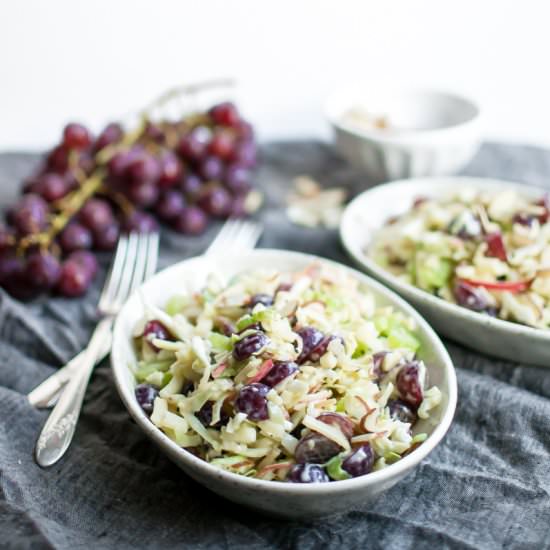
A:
x,y
71,204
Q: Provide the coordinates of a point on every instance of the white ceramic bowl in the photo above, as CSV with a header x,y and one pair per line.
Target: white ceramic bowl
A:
x,y
276,498
369,211
436,133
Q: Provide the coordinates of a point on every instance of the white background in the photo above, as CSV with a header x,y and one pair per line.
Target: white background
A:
x,y
93,60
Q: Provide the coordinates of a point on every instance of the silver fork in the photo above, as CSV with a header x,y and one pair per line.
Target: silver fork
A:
x,y
234,235
131,263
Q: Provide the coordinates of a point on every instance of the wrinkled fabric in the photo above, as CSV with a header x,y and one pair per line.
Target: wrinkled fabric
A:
x,y
487,485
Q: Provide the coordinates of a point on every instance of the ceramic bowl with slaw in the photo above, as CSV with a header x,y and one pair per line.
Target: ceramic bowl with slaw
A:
x,y
472,254
282,378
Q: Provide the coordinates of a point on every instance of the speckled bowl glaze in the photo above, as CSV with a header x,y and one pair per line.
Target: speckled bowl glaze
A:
x,y
370,210
276,498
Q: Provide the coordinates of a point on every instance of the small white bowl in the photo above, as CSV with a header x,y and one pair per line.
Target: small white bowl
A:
x,y
430,133
370,210
277,498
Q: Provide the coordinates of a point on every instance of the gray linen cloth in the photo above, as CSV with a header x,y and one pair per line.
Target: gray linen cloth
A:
x,y
486,486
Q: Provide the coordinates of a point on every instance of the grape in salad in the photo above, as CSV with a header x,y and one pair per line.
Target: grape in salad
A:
x,y
487,251
296,377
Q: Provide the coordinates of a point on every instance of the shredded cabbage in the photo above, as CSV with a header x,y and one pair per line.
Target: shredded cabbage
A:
x,y
331,391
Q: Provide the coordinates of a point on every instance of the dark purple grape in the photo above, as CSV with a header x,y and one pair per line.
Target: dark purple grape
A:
x,y
86,162
7,237
12,267
87,260
251,344
215,201
194,145
316,448
111,134
321,349
264,299
378,361
252,401
245,130
238,207
96,214
74,279
360,461
52,186
30,214
139,221
307,473
279,372
75,237
145,396
58,159
524,219
144,168
222,144
154,133
170,205
143,194
155,330
237,179
470,297
409,385
76,136
225,114
343,422
191,221
171,170
204,414
191,185
42,270
245,154
119,163
211,168
466,226
400,410
106,237
311,338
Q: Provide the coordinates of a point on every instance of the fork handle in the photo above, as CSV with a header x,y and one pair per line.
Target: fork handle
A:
x,y
47,392
58,432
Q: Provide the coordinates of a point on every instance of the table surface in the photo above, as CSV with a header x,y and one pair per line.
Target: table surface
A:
x,y
486,486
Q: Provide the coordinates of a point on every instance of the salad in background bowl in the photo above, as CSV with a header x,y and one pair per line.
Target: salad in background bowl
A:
x,y
281,381
472,254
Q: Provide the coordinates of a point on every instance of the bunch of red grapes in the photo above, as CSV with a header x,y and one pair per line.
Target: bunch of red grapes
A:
x,y
89,189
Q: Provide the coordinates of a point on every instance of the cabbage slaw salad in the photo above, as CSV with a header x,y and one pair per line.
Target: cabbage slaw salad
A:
x,y
488,251
294,377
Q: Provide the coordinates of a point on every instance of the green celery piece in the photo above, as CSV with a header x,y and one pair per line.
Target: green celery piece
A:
x,y
335,470
266,314
432,271
340,405
238,464
392,457
244,322
220,342
166,378
176,304
145,369
400,337
207,295
419,438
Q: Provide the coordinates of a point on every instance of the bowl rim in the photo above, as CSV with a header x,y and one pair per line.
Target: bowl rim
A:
x,y
438,182
334,115
373,478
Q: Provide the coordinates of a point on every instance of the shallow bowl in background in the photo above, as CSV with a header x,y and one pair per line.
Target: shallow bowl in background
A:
x,y
429,133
